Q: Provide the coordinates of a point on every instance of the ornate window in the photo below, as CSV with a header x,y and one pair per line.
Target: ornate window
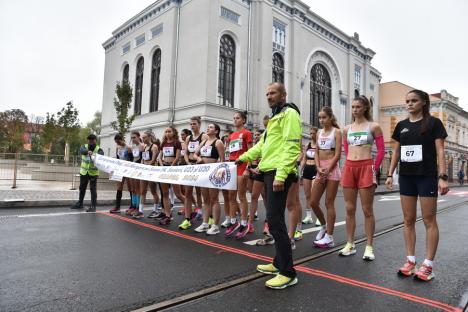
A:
x,y
125,73
278,68
155,73
227,71
139,85
320,91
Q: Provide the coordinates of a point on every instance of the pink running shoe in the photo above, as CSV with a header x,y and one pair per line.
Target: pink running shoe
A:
x,y
115,210
408,269
232,228
424,273
243,231
325,242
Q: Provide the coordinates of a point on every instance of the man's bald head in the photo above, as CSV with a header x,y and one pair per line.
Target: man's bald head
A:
x,y
276,94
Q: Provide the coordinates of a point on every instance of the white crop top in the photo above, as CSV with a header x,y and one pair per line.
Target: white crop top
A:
x,y
326,142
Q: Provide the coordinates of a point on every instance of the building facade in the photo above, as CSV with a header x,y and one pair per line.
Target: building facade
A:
x,y
443,106
211,58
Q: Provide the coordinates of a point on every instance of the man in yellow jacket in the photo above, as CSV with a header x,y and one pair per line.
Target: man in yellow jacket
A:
x,y
279,149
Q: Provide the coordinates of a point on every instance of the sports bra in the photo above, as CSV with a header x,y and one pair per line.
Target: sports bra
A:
x,y
147,153
360,138
326,142
209,151
122,152
136,153
310,152
193,143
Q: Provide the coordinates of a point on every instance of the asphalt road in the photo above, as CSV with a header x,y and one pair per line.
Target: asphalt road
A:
x,y
60,260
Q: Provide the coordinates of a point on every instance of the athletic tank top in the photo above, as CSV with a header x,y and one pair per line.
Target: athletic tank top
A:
x,y
310,152
147,153
136,153
326,142
209,151
122,152
193,143
360,138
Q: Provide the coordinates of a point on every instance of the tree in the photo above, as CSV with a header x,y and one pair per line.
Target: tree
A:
x,y
50,133
94,126
12,126
122,103
69,126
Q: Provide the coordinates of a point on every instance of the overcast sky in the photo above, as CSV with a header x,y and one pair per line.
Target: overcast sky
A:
x,y
51,53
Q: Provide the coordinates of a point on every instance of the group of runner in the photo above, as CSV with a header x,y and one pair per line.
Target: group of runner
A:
x,y
419,149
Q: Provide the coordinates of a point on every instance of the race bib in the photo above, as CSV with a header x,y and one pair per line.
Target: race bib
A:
x,y
411,153
121,154
206,151
146,155
325,143
168,151
310,153
192,146
235,145
357,138
136,152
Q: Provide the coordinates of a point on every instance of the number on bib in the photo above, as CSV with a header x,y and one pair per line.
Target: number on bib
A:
x,y
411,153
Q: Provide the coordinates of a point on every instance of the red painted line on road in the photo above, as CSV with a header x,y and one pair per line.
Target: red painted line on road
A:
x,y
338,278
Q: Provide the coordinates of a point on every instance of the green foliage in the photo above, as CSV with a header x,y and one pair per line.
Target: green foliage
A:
x,y
122,104
94,125
12,127
68,122
50,133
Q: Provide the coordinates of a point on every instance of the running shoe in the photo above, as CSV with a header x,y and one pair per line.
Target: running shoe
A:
x,y
77,205
153,214
115,210
210,221
348,250
280,282
185,225
424,273
255,216
293,244
321,233
369,253
181,211
243,231
267,269
202,228
130,211
307,220
298,235
232,228
325,242
226,223
166,220
266,240
138,215
213,230
159,215
408,269
317,222
251,228
266,229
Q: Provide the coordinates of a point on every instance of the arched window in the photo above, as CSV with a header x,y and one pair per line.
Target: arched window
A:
x,y
227,70
125,72
155,73
278,68
320,91
139,85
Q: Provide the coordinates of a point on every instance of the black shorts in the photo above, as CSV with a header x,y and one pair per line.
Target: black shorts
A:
x,y
257,177
421,186
310,171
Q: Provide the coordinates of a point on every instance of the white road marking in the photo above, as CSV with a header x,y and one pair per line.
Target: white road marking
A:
x,y
389,198
310,230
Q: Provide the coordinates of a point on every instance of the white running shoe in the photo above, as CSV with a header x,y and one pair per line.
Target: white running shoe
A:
x,y
202,228
226,223
213,230
321,233
307,220
325,242
348,250
317,222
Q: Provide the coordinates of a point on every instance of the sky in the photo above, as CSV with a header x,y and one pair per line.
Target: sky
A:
x,y
51,51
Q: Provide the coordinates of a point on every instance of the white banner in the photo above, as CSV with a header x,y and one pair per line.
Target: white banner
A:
x,y
217,175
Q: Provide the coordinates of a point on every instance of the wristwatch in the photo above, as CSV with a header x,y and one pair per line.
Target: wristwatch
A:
x,y
443,176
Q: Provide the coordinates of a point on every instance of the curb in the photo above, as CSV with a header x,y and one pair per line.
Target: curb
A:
x,y
55,203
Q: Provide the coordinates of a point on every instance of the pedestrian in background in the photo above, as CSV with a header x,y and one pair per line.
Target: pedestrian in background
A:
x,y
88,172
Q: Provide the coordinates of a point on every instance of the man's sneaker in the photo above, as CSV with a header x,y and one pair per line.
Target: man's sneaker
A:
x,y
138,215
267,268
293,244
298,235
166,220
266,229
348,250
321,233
408,269
232,228
251,228
424,273
280,282
307,220
226,223
325,242
243,231
210,221
369,253
77,205
91,209
266,240
115,210
213,230
130,211
185,225
153,214
202,228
